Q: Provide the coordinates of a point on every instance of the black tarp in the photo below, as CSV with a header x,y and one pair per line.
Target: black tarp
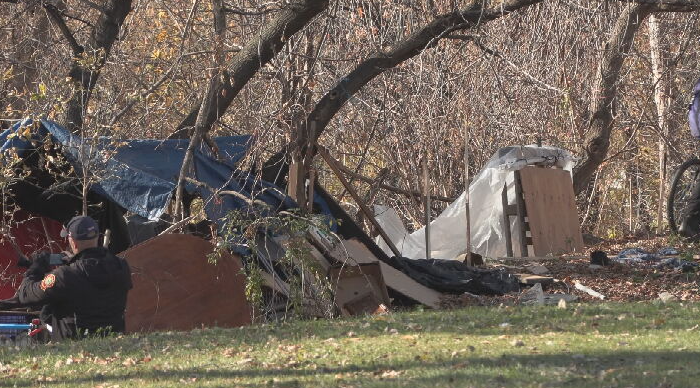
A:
x,y
455,277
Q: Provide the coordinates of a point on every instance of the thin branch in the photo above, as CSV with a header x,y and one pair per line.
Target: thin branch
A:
x,y
666,3
55,15
514,66
238,11
393,189
165,76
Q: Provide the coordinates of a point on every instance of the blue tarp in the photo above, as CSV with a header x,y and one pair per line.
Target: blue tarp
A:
x,y
141,175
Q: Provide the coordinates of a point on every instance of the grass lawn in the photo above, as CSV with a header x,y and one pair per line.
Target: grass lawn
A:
x,y
595,345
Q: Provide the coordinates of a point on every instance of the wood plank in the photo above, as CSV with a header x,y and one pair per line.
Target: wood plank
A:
x,y
333,164
526,278
551,207
275,283
314,253
396,280
176,288
359,289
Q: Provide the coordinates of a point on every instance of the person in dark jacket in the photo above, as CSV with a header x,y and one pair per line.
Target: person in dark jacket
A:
x,y
87,295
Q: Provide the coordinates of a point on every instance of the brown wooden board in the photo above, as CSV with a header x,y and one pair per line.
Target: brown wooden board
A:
x,y
175,288
355,252
359,289
525,278
551,211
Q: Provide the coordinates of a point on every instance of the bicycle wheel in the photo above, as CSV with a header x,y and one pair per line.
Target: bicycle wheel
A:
x,y
686,177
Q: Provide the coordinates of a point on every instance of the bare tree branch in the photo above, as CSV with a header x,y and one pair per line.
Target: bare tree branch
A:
x,y
55,15
256,54
472,16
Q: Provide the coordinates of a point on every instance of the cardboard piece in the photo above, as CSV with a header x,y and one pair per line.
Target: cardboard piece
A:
x,y
175,288
359,289
356,253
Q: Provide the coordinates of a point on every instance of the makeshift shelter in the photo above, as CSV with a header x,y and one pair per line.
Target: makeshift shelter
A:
x,y
174,286
138,176
448,237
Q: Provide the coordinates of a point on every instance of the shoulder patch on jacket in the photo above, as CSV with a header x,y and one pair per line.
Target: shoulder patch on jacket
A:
x,y
48,281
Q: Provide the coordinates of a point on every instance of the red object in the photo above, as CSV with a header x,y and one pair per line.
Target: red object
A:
x,y
29,234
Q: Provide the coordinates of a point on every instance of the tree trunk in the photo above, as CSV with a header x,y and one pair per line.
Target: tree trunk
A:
x,y
601,110
662,100
218,77
89,59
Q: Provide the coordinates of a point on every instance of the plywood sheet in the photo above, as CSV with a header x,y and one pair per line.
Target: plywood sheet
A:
x,y
359,289
175,288
398,281
551,211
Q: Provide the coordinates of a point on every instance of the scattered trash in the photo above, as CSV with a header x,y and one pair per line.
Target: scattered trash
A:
x,y
588,290
562,304
638,255
666,297
599,258
635,255
679,264
476,259
668,251
534,296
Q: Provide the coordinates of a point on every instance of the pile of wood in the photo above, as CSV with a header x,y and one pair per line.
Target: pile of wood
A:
x,y
177,288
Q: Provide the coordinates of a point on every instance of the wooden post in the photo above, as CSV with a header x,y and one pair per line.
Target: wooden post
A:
x,y
310,191
333,164
295,184
426,203
466,194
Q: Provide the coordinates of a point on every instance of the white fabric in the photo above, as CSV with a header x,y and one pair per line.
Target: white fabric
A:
x,y
448,231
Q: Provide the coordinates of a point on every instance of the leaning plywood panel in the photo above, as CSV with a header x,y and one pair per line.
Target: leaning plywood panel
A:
x,y
175,288
551,211
356,252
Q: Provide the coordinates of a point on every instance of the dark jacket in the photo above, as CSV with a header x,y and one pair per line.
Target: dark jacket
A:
x,y
88,295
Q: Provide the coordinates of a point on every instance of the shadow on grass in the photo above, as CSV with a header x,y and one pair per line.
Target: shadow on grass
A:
x,y
563,369
606,319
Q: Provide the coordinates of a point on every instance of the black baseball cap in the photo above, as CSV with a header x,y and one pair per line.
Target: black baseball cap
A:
x,y
81,228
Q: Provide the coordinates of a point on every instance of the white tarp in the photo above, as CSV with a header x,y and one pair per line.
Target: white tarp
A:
x,y
448,231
